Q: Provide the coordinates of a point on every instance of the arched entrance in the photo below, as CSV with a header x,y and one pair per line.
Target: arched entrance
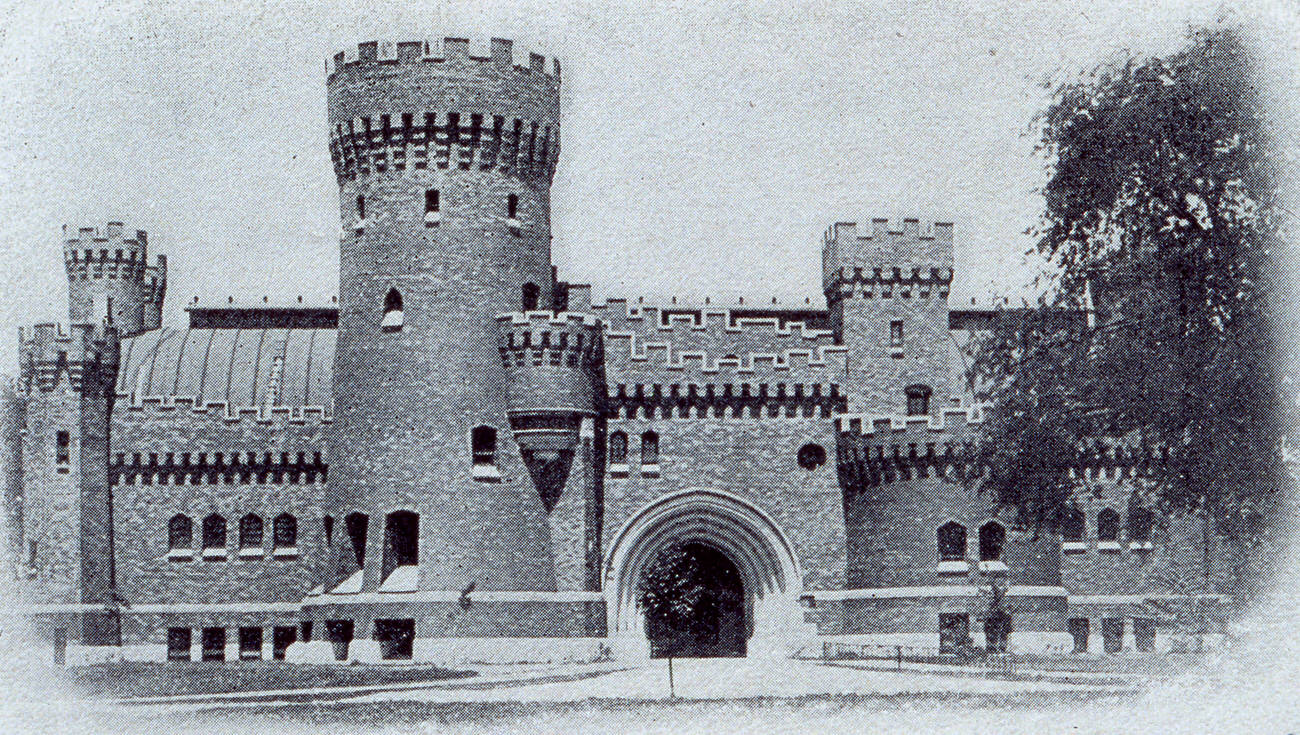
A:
x,y
717,526
693,599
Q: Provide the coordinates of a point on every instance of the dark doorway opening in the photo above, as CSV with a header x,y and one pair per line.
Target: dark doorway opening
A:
x,y
694,603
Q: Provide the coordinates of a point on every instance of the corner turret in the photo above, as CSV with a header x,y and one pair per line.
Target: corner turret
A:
x,y
110,279
888,297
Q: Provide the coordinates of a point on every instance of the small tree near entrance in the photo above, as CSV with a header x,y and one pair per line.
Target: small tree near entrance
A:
x,y
693,600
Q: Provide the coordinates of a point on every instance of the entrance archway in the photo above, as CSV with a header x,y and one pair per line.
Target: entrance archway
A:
x,y
693,600
748,539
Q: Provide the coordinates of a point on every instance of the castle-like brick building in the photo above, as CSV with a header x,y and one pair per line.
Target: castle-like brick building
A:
x,y
465,458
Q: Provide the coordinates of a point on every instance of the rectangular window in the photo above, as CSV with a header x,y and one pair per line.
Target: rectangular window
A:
x,y
32,548
63,448
178,644
1079,632
250,644
431,201
1144,634
512,206
896,334
954,632
214,644
1112,635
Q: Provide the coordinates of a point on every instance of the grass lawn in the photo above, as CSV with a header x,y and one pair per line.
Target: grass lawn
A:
x,y
144,679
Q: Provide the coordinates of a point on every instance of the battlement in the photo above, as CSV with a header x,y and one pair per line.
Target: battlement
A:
x,y
497,54
907,257
558,338
876,449
47,354
113,252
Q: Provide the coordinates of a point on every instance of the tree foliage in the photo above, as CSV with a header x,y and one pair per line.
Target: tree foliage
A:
x,y
1161,226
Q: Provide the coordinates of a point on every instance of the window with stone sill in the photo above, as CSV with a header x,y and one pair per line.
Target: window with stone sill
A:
x,y
1108,526
250,533
617,444
180,533
285,529
214,533
952,542
993,536
394,316
650,448
1073,526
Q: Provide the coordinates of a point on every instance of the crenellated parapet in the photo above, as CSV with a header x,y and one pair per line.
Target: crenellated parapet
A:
x,y
50,357
720,330
552,363
907,262
444,105
212,468
740,400
883,449
110,277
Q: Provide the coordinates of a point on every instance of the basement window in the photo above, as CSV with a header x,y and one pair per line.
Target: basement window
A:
x,y
394,316
401,552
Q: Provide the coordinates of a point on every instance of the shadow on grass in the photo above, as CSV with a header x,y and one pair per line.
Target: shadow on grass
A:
x,y
146,679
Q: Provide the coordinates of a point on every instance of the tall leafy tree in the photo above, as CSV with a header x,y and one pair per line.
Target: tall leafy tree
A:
x,y
1161,226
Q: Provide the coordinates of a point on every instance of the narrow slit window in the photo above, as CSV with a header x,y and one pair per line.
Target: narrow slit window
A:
x,y
896,334
356,525
512,206
483,441
649,448
361,208
394,316
63,448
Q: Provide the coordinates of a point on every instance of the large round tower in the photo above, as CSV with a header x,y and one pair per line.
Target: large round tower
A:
x,y
444,160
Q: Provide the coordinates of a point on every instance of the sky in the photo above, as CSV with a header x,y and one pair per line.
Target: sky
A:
x,y
706,146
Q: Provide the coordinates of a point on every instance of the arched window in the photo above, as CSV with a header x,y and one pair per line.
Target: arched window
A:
x,y
1073,525
1140,521
214,532
483,443
250,532
918,400
649,448
992,537
356,525
393,314
286,531
618,448
180,532
952,542
1108,525
531,295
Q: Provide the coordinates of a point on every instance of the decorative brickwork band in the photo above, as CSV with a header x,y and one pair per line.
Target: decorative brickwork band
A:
x,y
193,468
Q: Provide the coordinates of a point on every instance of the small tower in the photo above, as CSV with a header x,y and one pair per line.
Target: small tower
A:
x,y
888,296
110,279
66,389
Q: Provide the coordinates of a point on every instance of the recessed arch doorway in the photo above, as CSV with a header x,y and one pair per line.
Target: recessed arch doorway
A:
x,y
753,571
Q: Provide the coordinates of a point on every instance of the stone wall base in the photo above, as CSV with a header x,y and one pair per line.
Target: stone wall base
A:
x,y
462,651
